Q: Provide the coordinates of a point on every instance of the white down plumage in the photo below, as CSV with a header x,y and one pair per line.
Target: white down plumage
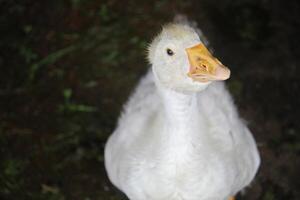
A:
x,y
180,137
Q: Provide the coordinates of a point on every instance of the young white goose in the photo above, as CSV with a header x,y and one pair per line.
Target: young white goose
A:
x,y
180,137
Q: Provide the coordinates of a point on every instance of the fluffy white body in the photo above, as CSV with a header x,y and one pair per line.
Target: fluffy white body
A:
x,y
174,143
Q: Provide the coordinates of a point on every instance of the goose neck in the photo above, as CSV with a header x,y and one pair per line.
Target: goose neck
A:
x,y
180,108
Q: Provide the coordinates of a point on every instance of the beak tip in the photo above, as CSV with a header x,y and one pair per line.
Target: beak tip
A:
x,y
222,73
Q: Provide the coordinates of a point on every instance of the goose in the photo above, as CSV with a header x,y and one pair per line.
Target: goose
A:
x,y
179,136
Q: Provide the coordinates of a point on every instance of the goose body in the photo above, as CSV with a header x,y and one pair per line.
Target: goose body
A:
x,y
179,141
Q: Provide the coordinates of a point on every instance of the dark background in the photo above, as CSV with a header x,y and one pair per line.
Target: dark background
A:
x,y
68,66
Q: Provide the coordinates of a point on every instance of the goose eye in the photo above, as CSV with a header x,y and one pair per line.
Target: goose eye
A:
x,y
170,52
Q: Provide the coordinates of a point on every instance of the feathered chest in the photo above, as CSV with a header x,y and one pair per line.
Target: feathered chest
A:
x,y
180,161
182,172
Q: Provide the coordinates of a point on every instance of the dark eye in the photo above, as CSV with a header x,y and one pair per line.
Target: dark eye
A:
x,y
170,52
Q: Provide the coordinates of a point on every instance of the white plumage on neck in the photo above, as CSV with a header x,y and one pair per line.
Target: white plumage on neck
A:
x,y
179,107
180,113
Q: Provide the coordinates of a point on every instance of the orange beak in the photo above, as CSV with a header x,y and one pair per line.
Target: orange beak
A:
x,y
204,67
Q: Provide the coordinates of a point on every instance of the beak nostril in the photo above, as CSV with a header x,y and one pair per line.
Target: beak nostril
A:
x,y
205,67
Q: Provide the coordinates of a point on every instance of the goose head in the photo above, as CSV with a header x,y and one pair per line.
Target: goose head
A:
x,y
180,61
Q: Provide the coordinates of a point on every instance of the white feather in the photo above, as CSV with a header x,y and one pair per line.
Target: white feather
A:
x,y
173,142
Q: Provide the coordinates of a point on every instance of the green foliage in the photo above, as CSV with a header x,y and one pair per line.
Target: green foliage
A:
x,y
68,106
104,14
51,192
13,168
28,54
11,178
269,195
76,3
50,59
